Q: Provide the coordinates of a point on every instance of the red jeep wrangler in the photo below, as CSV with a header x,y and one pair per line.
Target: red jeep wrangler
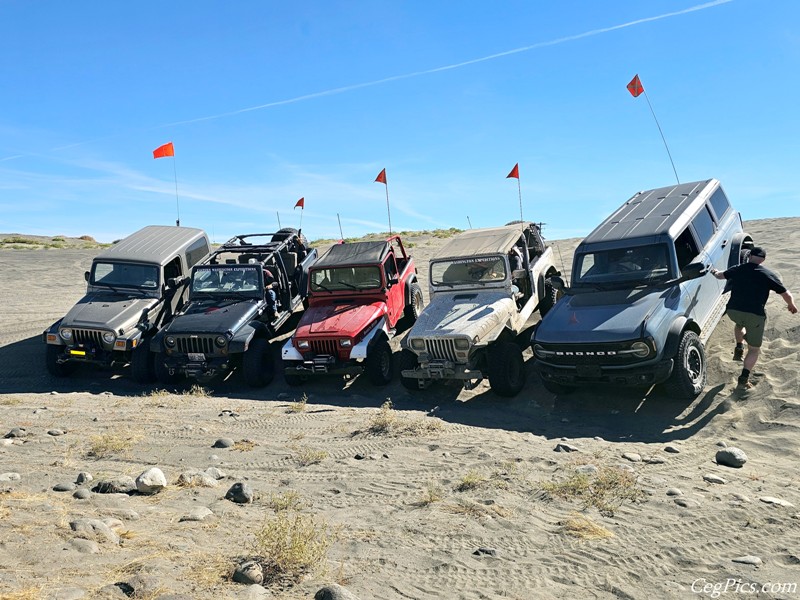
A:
x,y
358,293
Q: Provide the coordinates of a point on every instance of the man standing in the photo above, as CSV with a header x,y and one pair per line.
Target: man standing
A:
x,y
751,284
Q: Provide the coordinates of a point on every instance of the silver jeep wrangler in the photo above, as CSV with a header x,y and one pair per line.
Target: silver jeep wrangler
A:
x,y
484,286
133,289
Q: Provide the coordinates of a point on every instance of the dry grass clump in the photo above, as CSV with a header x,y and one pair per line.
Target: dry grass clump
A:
x,y
389,422
475,510
244,445
471,481
310,456
197,391
290,546
430,495
288,500
299,405
583,527
110,444
10,401
606,491
28,593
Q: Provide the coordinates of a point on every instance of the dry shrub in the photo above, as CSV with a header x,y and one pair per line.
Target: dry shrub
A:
x,y
300,405
88,238
28,593
471,481
109,444
606,491
475,510
430,495
389,422
244,445
310,456
583,527
197,391
290,546
288,500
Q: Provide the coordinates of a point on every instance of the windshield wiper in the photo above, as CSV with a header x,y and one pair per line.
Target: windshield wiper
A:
x,y
350,285
327,289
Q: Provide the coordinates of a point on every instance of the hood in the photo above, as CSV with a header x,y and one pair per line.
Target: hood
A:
x,y
214,317
344,320
464,313
600,316
107,311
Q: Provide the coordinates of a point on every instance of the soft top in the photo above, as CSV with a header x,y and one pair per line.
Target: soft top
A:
x,y
355,253
156,244
654,212
476,242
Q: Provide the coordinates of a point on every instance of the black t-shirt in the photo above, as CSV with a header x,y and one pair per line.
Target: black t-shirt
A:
x,y
750,287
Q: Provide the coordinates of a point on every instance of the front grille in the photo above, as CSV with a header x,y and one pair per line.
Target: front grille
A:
x,y
195,344
441,349
607,354
329,347
88,336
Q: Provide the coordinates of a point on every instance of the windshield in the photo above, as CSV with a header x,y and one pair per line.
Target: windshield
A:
x,y
227,279
462,271
632,265
346,278
126,275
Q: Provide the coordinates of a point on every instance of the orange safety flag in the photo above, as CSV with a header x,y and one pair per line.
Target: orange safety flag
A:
x,y
166,150
381,178
635,87
514,172
301,203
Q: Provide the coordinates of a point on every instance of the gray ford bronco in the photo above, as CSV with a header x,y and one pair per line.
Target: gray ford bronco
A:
x,y
640,306
239,298
485,285
134,288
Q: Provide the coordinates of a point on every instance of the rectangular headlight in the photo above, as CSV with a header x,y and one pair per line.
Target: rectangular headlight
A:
x,y
345,343
303,344
462,344
417,344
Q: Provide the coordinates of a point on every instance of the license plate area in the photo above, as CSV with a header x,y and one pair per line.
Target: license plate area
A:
x,y
589,371
197,357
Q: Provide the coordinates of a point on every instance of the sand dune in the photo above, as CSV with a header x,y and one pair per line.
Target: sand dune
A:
x,y
449,494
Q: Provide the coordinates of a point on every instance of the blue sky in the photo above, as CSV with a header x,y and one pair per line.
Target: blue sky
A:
x,y
267,102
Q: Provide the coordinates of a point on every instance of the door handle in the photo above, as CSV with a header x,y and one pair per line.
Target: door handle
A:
x,y
724,243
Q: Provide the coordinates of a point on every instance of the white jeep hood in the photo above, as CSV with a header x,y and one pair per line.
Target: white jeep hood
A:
x,y
472,314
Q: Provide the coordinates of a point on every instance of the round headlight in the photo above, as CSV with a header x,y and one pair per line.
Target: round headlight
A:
x,y
640,349
220,341
109,337
302,344
417,344
169,341
462,344
66,334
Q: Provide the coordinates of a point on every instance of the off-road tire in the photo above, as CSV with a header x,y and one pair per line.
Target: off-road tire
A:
x,y
162,372
143,364
258,364
378,364
293,379
407,360
287,232
549,298
689,375
506,369
415,304
55,368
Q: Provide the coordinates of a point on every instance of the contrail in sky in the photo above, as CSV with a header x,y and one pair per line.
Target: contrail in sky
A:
x,y
349,88
466,63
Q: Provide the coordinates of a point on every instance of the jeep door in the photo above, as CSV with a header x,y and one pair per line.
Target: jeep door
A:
x,y
395,292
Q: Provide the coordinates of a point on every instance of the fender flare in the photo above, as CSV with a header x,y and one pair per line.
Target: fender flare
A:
x,y
53,330
410,278
242,338
378,332
676,330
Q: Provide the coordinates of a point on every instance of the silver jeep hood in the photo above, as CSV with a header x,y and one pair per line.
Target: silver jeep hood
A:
x,y
107,311
471,314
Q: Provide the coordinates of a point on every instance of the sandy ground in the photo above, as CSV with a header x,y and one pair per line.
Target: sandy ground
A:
x,y
405,497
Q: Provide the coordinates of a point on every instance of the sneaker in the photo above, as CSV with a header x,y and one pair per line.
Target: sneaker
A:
x,y
738,354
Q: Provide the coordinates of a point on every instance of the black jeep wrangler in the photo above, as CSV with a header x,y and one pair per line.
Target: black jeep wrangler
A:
x,y
238,300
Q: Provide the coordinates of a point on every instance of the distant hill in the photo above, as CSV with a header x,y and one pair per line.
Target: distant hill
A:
x,y
18,241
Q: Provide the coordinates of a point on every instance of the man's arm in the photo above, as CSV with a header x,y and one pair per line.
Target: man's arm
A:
x,y
787,296
718,274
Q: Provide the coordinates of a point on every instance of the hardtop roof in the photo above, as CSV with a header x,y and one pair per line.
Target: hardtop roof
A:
x,y
660,211
475,242
156,244
354,253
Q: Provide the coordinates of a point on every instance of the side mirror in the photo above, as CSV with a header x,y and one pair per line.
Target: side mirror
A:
x,y
175,282
393,281
558,283
86,275
693,271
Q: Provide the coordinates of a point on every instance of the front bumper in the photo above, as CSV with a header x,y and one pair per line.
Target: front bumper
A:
x,y
322,365
579,375
201,368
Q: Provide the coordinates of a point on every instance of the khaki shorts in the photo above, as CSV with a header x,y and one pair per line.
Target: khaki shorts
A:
x,y
753,326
